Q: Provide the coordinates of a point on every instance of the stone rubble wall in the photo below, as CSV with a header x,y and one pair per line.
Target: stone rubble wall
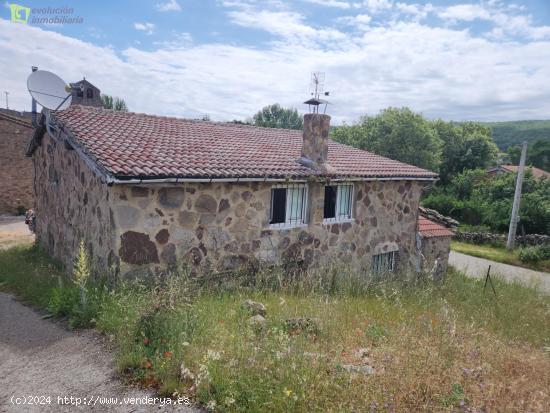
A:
x,y
489,238
16,173
220,226
435,255
71,205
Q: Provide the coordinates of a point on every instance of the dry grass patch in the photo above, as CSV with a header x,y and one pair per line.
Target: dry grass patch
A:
x,y
388,346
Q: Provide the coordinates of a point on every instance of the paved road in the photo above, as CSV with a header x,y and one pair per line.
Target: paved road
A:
x,y
477,268
39,357
14,231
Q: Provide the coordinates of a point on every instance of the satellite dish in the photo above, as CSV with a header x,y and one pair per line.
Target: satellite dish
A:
x,y
49,90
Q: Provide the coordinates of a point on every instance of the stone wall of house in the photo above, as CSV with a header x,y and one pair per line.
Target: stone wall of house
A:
x,y
16,174
71,205
221,226
435,255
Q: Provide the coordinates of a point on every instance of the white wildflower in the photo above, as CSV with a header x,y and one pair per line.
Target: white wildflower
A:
x,y
213,355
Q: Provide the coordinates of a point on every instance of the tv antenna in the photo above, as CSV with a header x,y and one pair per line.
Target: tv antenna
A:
x,y
316,87
49,90
7,104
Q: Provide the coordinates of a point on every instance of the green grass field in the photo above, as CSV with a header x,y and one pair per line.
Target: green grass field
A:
x,y
498,254
428,346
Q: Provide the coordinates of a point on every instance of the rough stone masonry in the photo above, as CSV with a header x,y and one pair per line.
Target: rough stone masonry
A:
x,y
137,230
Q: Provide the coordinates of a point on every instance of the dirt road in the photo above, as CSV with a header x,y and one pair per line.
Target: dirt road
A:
x,y
477,268
14,231
42,358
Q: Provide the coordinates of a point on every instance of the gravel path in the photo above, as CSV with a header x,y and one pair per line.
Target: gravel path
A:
x,y
477,268
14,231
42,358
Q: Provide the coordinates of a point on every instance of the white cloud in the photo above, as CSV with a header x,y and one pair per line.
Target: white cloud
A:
x,y
177,40
375,6
359,21
170,5
148,28
331,3
465,12
440,71
288,25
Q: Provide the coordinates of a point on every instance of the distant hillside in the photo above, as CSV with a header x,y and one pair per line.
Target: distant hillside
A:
x,y
506,134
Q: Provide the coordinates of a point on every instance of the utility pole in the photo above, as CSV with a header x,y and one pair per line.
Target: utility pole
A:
x,y
517,200
7,105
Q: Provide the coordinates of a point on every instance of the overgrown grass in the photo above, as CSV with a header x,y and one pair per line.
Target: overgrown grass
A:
x,y
431,346
499,254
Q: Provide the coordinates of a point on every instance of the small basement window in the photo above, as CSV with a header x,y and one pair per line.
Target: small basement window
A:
x,y
338,202
288,205
383,263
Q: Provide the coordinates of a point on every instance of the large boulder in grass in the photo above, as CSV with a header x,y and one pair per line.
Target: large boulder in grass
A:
x,y
254,308
257,322
298,325
365,369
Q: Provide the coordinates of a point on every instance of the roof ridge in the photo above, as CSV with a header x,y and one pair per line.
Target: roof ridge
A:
x,y
15,119
155,116
133,144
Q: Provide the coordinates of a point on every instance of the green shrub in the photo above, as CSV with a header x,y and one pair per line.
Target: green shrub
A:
x,y
535,253
63,300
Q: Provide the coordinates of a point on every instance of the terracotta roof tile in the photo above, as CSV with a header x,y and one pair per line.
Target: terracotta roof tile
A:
x,y
132,145
429,229
537,172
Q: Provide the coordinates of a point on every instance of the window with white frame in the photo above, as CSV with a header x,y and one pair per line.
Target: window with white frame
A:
x,y
288,205
383,263
338,202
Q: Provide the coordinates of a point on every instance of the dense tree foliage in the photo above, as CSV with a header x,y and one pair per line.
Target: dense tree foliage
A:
x,y
538,154
398,134
472,197
115,103
444,147
506,134
275,116
465,146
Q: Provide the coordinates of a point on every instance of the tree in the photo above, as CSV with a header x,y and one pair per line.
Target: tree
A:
x,y
115,103
275,116
466,145
474,198
397,133
538,154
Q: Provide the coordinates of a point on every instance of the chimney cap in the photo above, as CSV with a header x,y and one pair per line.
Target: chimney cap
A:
x,y
316,102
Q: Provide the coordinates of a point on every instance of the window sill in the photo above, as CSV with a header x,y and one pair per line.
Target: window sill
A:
x,y
330,221
286,226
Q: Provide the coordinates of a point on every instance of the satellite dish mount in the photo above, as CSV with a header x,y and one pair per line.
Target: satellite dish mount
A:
x,y
49,90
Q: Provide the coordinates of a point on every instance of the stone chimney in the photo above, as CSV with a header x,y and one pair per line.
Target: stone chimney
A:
x,y
315,141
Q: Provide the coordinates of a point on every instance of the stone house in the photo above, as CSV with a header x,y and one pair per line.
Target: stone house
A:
x,y
147,193
513,169
16,170
84,93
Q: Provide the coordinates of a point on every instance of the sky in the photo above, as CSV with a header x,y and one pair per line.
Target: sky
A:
x,y
456,60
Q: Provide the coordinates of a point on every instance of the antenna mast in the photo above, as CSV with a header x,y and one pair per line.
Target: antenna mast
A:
x,y
7,104
316,87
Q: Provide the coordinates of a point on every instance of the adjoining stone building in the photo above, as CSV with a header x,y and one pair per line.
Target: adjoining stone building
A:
x,y
147,193
16,170
435,246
